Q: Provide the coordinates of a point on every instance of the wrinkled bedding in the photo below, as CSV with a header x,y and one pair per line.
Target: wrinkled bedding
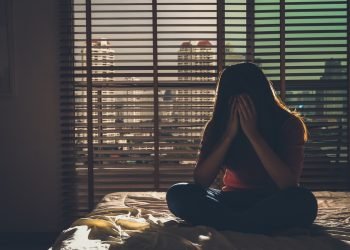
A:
x,y
141,220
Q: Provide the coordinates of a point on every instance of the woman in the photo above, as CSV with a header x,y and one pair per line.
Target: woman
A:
x,y
259,143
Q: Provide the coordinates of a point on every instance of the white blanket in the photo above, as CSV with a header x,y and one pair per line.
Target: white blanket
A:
x,y
141,220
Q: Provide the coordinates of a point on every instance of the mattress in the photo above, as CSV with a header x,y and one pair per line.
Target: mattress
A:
x,y
141,220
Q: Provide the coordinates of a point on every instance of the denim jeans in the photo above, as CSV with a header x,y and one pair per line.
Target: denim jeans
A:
x,y
243,210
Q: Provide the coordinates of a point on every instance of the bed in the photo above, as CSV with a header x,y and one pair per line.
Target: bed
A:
x,y
141,220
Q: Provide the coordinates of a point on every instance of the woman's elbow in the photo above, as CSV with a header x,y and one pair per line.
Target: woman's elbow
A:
x,y
200,180
288,184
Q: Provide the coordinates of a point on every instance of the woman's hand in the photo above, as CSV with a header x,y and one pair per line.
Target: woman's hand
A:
x,y
247,115
233,121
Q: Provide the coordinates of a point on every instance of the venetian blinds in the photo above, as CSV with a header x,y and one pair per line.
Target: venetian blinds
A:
x,y
138,81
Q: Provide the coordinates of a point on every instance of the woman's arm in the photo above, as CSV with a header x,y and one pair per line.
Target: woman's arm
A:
x,y
208,167
209,162
280,171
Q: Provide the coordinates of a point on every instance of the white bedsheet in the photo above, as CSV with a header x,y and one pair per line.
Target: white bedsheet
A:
x,y
141,220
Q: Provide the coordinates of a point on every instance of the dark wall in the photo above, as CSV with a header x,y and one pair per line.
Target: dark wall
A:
x,y
29,127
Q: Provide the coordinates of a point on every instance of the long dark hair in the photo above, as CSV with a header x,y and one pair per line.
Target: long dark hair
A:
x,y
271,111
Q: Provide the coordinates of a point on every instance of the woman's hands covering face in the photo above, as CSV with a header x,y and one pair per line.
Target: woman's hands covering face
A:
x,y
242,114
233,122
247,114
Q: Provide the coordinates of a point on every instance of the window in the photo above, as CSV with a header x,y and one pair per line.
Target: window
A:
x,y
138,82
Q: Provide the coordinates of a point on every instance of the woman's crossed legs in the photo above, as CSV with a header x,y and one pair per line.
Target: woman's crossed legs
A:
x,y
254,211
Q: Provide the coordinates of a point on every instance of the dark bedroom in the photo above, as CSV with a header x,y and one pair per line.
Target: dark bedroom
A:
x,y
175,124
